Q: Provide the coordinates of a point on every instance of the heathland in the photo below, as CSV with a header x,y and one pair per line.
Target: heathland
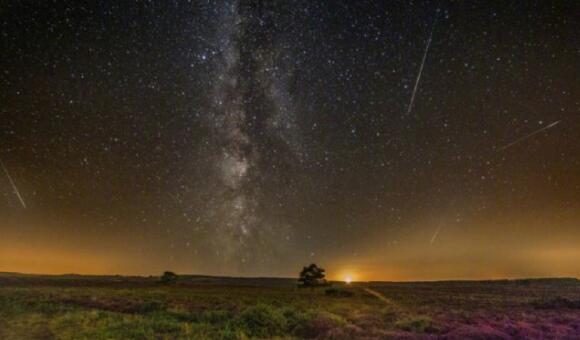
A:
x,y
200,307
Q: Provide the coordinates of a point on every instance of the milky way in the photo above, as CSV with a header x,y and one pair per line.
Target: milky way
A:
x,y
246,77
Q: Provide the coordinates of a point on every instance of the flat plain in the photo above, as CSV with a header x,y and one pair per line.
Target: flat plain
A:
x,y
199,307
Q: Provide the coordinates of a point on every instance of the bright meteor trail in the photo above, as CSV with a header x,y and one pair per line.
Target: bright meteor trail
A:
x,y
16,191
434,237
410,107
528,136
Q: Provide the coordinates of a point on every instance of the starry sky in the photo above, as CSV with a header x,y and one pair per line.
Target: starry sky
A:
x,y
399,140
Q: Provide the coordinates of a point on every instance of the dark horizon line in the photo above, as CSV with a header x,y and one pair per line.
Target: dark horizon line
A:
x,y
515,279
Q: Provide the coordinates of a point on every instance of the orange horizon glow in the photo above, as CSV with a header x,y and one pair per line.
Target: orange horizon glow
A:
x,y
459,254
54,262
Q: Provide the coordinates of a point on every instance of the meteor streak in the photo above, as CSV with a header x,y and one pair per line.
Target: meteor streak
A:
x,y
528,136
434,237
14,188
410,107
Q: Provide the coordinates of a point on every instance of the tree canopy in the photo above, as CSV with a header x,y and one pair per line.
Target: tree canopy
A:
x,y
312,275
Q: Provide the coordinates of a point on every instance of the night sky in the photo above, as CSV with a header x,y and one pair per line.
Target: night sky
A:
x,y
380,139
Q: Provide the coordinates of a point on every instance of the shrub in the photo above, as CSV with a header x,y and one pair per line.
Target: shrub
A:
x,y
149,306
415,323
262,321
229,333
216,316
338,292
169,278
296,320
198,331
389,314
557,302
321,325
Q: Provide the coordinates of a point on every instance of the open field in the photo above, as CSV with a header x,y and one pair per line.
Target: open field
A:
x,y
79,307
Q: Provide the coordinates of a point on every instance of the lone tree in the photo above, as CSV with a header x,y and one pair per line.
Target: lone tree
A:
x,y
169,278
312,276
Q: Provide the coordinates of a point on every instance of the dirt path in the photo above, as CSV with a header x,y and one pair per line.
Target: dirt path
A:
x,y
378,296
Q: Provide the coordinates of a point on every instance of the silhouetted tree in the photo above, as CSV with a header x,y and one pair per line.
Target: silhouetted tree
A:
x,y
169,278
312,276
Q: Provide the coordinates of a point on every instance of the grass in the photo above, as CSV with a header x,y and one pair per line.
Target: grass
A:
x,y
153,313
236,312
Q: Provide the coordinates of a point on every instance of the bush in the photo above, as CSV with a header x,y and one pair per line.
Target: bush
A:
x,y
338,292
169,278
556,303
149,306
415,324
229,333
389,314
296,320
321,325
216,316
262,321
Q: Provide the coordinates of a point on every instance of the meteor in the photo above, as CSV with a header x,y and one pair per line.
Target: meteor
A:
x,y
528,136
434,237
14,188
410,107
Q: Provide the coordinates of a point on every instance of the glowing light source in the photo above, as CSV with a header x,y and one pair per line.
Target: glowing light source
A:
x,y
348,279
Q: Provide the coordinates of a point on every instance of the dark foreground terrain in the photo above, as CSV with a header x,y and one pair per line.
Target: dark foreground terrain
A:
x,y
197,307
